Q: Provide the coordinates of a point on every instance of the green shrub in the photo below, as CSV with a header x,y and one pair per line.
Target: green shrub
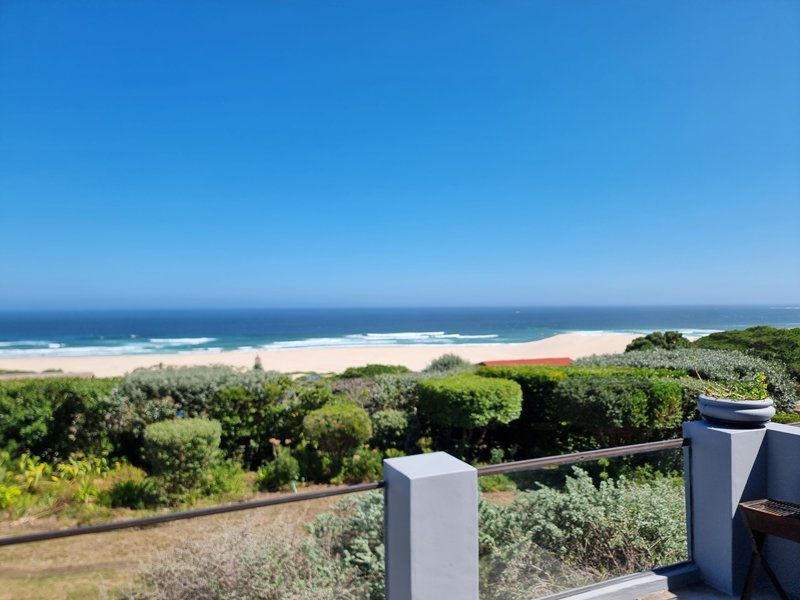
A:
x,y
616,527
619,402
224,477
710,365
786,418
496,483
248,563
353,532
468,401
770,343
338,429
181,452
280,472
578,408
132,493
390,428
666,340
53,418
149,395
251,416
373,370
448,363
364,464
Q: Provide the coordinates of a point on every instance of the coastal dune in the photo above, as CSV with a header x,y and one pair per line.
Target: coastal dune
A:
x,y
325,360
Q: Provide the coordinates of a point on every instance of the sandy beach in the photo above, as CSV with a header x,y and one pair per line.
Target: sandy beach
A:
x,y
324,360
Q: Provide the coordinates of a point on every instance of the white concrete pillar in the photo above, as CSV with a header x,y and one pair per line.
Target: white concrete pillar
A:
x,y
727,466
783,483
431,528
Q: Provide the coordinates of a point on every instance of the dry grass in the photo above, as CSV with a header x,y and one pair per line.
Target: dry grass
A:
x,y
98,565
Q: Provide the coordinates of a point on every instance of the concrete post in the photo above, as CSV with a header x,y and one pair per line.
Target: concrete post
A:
x,y
783,483
431,528
728,466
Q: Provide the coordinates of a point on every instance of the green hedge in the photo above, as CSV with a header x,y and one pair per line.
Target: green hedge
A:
x,y
539,383
373,370
710,365
390,428
468,401
565,407
181,453
338,429
249,404
769,343
52,418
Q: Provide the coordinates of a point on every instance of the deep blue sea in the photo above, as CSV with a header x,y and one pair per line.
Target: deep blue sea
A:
x,y
84,333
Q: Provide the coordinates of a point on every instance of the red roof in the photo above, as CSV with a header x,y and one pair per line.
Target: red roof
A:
x,y
553,362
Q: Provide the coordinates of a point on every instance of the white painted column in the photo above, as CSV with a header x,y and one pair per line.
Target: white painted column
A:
x,y
727,466
431,528
783,483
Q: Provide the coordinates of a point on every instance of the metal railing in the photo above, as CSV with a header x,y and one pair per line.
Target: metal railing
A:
x,y
545,462
188,514
509,467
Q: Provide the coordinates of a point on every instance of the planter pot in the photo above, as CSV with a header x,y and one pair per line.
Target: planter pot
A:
x,y
739,413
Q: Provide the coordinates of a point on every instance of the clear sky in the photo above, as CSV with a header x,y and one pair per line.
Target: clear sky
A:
x,y
337,153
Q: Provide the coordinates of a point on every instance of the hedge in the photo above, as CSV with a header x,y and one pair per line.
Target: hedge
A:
x,y
181,452
469,401
709,365
338,429
373,370
593,406
770,343
52,418
244,401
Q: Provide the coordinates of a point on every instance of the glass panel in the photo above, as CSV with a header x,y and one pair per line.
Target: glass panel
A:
x,y
551,530
329,544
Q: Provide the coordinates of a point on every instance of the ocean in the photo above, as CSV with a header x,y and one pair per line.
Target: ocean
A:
x,y
121,332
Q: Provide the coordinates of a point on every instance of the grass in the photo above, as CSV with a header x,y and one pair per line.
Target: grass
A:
x,y
98,566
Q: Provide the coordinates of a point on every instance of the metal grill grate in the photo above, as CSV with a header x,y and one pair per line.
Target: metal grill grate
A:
x,y
777,508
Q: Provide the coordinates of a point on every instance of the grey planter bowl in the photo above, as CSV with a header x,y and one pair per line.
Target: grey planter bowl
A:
x,y
739,413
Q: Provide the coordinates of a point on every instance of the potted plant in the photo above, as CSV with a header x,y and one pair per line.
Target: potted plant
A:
x,y
738,403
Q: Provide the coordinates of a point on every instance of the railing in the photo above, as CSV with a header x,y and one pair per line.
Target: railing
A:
x,y
509,467
545,462
188,514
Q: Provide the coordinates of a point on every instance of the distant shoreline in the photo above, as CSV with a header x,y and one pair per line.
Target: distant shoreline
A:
x,y
324,360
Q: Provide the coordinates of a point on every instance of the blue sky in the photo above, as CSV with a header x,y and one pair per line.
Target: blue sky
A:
x,y
198,154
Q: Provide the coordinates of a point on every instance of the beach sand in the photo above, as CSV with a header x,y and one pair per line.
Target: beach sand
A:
x,y
325,360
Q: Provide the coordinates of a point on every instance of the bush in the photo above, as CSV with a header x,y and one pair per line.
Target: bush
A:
x,y
338,429
448,363
570,408
52,418
353,533
224,477
181,452
364,464
373,370
249,563
770,343
280,472
251,416
615,527
786,418
150,395
390,428
666,340
468,401
592,402
714,365
132,493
